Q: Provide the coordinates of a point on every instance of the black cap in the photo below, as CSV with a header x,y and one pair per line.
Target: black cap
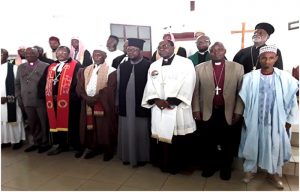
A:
x,y
265,26
136,43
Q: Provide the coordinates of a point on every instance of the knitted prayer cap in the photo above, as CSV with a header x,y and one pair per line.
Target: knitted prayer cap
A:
x,y
268,48
265,26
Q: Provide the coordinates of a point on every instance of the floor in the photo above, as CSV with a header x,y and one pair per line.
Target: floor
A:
x,y
63,172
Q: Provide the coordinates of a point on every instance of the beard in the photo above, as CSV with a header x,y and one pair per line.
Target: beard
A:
x,y
256,39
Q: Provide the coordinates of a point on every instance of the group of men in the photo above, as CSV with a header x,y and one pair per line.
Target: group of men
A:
x,y
173,111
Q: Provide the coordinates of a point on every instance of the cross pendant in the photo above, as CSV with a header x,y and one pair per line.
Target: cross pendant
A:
x,y
54,81
217,89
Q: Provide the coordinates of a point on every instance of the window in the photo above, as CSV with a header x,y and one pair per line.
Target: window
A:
x,y
133,31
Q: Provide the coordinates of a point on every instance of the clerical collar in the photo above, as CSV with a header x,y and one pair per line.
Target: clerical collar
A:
x,y
202,53
218,63
31,64
168,61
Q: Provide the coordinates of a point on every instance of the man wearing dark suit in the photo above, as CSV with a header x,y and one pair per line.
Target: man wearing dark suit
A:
x,y
217,104
26,86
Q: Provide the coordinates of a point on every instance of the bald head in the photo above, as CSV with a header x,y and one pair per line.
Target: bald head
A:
x,y
203,42
31,54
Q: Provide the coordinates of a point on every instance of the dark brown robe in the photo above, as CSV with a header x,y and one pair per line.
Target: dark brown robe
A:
x,y
104,132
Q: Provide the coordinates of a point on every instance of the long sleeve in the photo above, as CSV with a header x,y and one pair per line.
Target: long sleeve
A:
x,y
18,85
196,94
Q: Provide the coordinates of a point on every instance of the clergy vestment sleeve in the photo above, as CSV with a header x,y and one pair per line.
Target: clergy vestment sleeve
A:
x,y
173,101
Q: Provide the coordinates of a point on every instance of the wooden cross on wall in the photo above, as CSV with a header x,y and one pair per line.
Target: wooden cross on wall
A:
x,y
243,31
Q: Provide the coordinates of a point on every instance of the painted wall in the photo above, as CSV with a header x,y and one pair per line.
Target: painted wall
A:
x,y
32,22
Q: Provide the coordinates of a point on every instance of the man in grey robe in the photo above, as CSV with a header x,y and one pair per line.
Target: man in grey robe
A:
x,y
134,126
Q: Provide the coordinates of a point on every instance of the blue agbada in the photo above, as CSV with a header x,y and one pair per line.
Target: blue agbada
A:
x,y
264,141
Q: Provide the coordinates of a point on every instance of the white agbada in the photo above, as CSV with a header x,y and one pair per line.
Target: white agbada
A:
x,y
10,132
175,80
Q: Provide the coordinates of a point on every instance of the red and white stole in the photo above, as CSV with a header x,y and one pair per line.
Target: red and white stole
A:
x,y
60,120
102,77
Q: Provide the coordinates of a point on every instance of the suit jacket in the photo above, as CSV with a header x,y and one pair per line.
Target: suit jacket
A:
x,y
205,90
26,84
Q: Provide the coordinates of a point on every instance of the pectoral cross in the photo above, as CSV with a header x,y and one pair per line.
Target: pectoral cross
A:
x,y
217,89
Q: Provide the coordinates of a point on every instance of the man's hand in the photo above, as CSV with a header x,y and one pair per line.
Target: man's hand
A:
x,y
197,115
90,101
236,118
3,100
162,104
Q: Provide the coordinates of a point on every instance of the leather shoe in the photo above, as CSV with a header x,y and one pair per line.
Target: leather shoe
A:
x,y
208,172
107,156
275,180
43,149
31,148
56,151
78,154
91,154
126,163
16,146
225,174
248,177
5,145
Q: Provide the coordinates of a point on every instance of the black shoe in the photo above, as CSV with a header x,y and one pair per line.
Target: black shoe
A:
x,y
208,172
142,163
225,174
126,163
5,145
78,154
43,149
91,154
107,156
31,148
17,145
57,151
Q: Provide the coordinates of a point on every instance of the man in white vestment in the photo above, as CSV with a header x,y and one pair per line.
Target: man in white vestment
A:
x,y
269,96
12,126
168,92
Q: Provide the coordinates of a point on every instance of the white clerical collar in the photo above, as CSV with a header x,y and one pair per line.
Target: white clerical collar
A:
x,y
166,60
218,63
202,53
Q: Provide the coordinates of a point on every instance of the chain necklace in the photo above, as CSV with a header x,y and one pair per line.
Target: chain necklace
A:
x,y
253,66
32,72
217,89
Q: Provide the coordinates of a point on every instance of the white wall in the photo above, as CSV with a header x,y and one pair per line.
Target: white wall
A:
x,y
32,22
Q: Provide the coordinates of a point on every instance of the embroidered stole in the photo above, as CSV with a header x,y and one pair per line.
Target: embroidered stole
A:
x,y
59,121
102,77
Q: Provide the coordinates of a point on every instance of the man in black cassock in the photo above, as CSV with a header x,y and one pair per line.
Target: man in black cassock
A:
x,y
248,57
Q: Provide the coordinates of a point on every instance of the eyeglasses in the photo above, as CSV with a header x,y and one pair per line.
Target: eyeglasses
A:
x,y
165,46
132,49
202,42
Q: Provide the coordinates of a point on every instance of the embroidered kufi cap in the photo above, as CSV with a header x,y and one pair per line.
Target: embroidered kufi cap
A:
x,y
268,48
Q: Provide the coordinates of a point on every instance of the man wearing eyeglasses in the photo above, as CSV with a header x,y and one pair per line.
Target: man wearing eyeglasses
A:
x,y
168,93
202,54
133,138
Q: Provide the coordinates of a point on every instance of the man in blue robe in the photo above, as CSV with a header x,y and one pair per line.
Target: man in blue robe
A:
x,y
269,96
